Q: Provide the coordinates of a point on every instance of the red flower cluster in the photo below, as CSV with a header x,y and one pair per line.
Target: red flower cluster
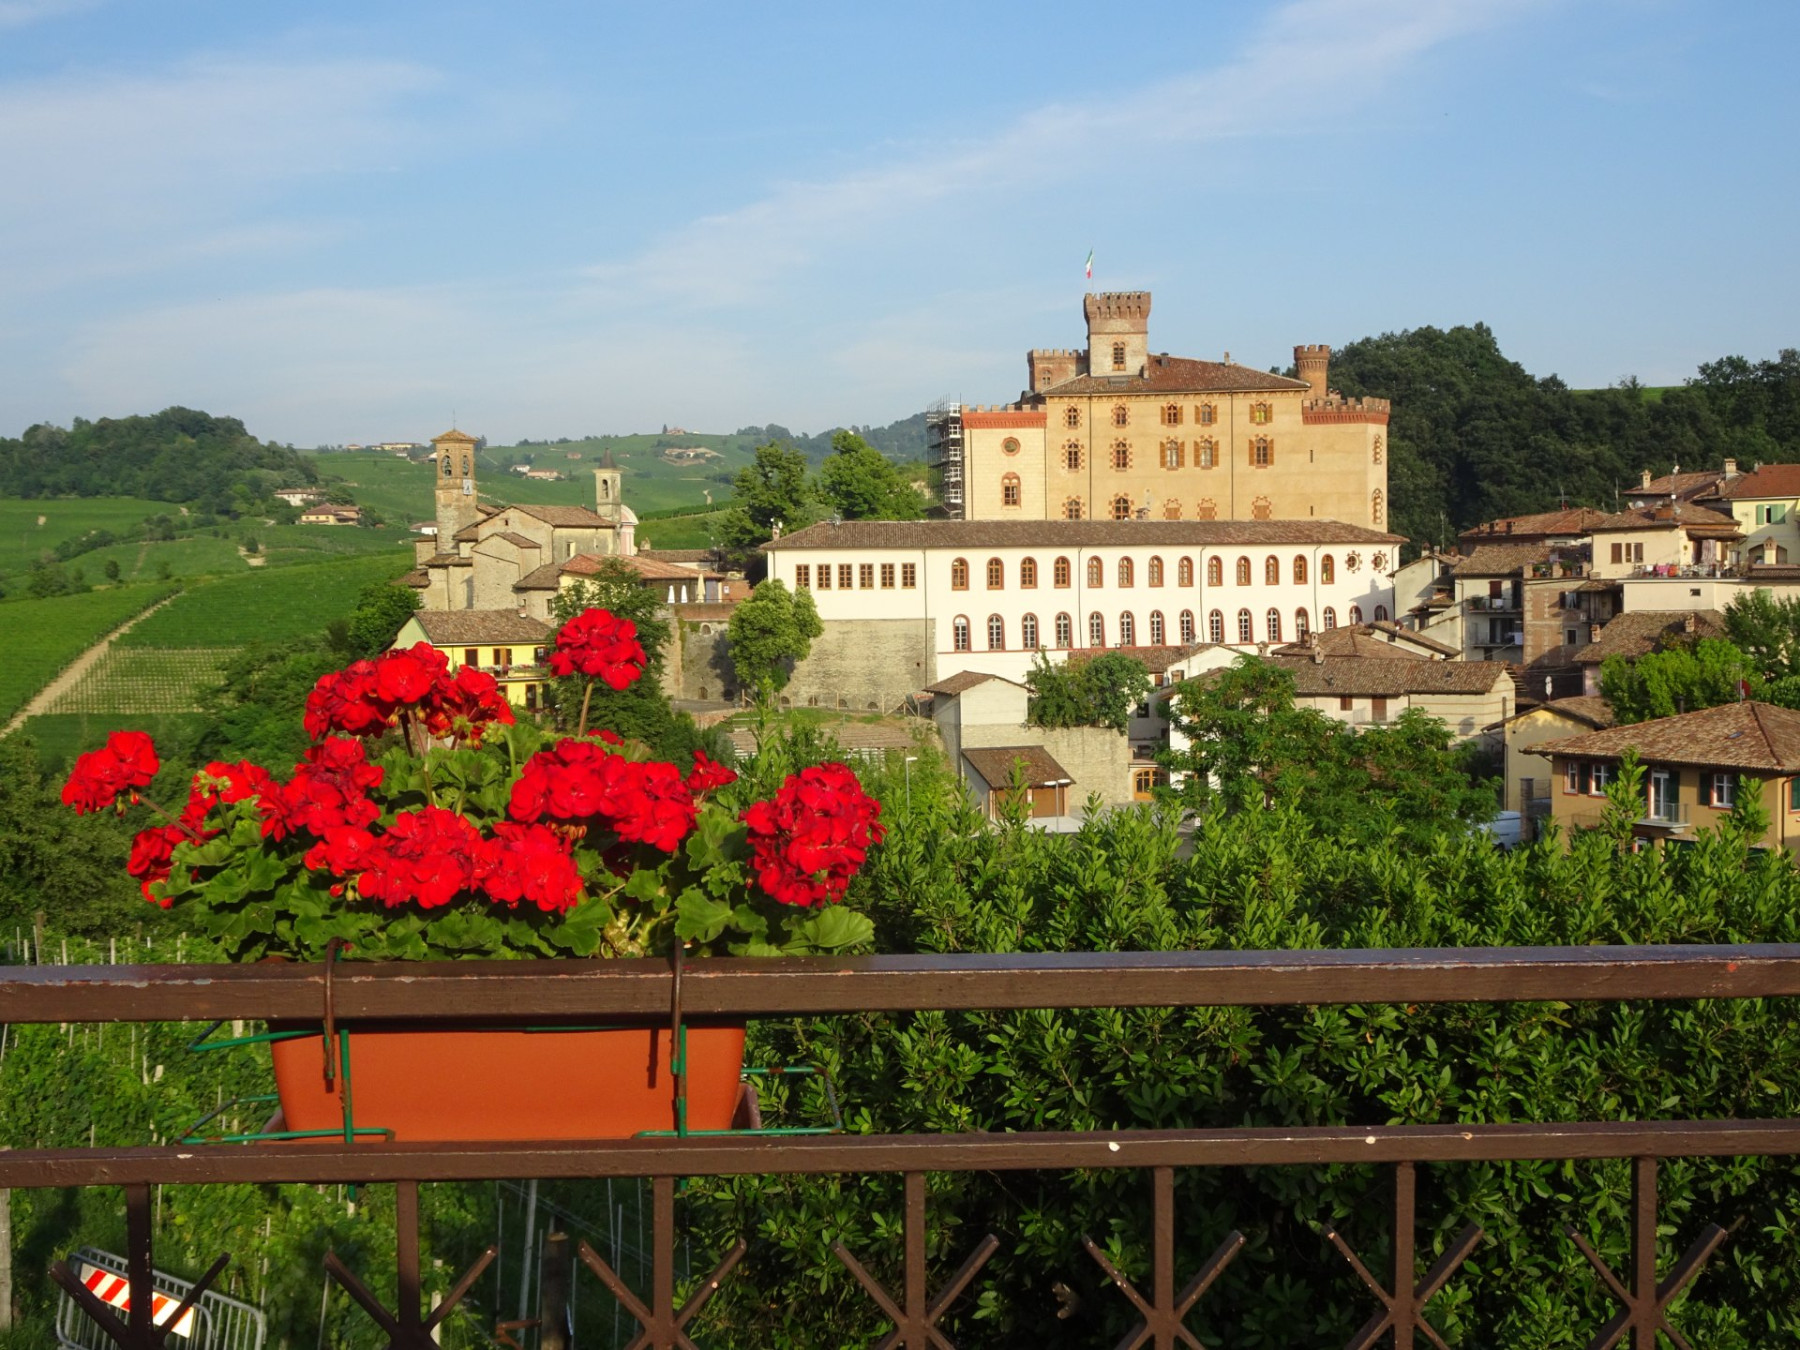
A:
x,y
575,780
598,642
809,841
533,863
329,790
430,855
150,854
368,697
125,763
708,775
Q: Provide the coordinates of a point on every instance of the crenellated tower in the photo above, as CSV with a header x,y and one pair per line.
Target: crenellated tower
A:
x,y
1118,326
1311,363
457,503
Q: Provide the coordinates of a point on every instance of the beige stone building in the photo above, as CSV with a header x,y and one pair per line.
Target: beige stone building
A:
x,y
1116,431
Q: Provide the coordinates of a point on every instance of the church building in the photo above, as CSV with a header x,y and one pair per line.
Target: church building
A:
x,y
1115,431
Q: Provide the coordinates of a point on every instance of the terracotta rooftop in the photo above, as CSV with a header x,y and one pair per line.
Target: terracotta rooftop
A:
x,y
516,539
1383,639
687,557
1685,486
1681,515
986,534
965,680
1367,677
650,569
545,578
1566,523
995,765
1501,560
1746,735
699,611
448,627
1639,632
1767,480
454,435
565,517
1590,709
418,578
1175,375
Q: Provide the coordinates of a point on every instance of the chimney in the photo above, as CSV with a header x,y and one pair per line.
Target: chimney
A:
x,y
1646,482
1310,364
1730,469
1593,632
1690,622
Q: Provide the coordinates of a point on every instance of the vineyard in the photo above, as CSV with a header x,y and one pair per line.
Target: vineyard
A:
x,y
268,605
145,680
44,636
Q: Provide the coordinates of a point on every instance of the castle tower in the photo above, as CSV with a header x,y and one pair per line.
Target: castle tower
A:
x,y
457,504
1118,325
609,501
1311,363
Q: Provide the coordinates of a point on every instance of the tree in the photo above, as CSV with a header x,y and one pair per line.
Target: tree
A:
x,y
112,570
382,609
769,633
1680,679
861,483
1086,691
769,492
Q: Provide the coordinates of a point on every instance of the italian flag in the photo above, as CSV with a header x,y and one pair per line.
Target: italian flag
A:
x,y
1090,265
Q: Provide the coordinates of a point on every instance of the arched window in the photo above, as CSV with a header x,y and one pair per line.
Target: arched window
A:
x,y
1127,630
1262,452
959,574
1245,632
1171,414
1380,613
1155,570
1028,574
1272,570
1215,571
1121,454
1072,457
1327,570
1302,624
1205,415
1355,615
1121,414
1171,508
1328,617
1009,489
1260,413
1215,627
1157,631
1096,630
1121,507
996,633
1272,620
959,633
1072,509
1184,572
1028,633
1059,572
1096,573
1126,572
1071,416
1184,625
1206,454
1174,454
996,574
1243,571
1065,631
1299,570
1375,507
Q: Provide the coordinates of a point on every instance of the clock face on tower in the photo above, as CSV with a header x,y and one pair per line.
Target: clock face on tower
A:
x,y
468,486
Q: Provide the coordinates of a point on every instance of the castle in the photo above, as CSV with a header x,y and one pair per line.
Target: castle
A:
x,y
487,557
1116,431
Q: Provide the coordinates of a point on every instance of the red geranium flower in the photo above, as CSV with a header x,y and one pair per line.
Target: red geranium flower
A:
x,y
708,774
430,856
531,862
150,854
809,841
599,643
125,763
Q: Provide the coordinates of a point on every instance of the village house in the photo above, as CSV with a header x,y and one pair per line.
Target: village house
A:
x,y
1695,766
1468,697
1638,633
1528,786
508,646
331,514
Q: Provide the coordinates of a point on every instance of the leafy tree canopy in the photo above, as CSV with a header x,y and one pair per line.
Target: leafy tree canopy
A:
x,y
771,490
1678,679
1096,691
861,483
769,632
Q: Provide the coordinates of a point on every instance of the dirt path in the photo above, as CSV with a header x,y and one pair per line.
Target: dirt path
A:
x,y
43,700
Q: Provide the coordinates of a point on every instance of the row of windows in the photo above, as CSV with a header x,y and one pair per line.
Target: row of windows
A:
x,y
861,574
1126,572
1591,778
1063,628
1172,454
1205,414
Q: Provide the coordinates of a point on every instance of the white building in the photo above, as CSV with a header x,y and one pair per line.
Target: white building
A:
x,y
918,601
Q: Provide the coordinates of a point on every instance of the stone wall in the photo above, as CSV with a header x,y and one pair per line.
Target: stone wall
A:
x,y
859,665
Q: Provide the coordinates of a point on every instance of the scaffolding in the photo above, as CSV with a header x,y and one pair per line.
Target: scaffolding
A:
x,y
944,453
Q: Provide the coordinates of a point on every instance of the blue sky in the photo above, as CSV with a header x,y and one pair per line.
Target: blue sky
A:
x,y
355,222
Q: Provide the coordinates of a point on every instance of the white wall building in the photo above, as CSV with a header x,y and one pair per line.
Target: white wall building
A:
x,y
986,595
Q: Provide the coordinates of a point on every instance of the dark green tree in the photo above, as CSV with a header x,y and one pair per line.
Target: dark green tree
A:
x,y
1086,691
860,483
769,633
1678,679
382,609
769,492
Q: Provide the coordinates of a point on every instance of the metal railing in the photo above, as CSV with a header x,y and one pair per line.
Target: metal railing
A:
x,y
462,992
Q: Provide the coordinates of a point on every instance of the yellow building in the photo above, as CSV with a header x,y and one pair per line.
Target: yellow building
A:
x,y
508,646
1116,431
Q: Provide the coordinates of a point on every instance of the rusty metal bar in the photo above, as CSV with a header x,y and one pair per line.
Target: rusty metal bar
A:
x,y
465,990
140,1267
813,1155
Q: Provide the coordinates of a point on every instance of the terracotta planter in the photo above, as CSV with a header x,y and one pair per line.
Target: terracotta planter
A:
x,y
438,1085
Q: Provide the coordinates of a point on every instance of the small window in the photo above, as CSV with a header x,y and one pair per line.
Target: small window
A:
x,y
1171,414
1327,571
1072,457
1206,454
1184,572
1262,452
803,576
1072,509
1127,572
1272,571
1600,776
887,576
1215,626
1378,710
1028,633
1174,454
1794,794
1381,614
1028,574
1121,415
1302,624
959,633
1215,571
1346,703
996,633
1299,570
1065,632
959,575
1127,630
909,576
1121,455
1157,630
1096,573
1059,572
1243,571
1355,615
1071,416
1010,494
865,577
1272,625
996,574
1010,446
1260,414
1245,632
824,576
1724,790
1154,572
1121,507
1205,415
1118,356
1329,617
1096,629
844,570
471,655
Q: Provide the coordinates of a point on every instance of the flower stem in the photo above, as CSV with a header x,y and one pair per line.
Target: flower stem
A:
x,y
164,812
586,694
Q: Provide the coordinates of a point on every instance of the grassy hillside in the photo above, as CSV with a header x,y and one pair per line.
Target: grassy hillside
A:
x,y
270,605
31,528
43,636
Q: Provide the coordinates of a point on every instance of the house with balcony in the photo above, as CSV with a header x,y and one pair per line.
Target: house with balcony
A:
x,y
510,647
1695,766
1765,505
1528,785
1529,604
1675,486
1675,540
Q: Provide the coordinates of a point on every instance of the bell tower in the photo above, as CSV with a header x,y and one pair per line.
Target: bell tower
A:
x,y
609,503
454,469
